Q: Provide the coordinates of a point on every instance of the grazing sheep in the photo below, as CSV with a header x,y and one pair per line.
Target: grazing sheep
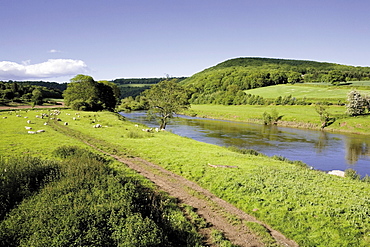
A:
x,y
39,131
136,125
28,128
25,117
5,117
18,116
65,123
32,132
45,123
58,119
74,118
28,121
97,126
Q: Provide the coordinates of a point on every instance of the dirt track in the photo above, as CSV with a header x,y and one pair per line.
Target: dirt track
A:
x,y
213,209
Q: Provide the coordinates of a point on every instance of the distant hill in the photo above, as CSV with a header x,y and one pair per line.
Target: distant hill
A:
x,y
222,83
132,87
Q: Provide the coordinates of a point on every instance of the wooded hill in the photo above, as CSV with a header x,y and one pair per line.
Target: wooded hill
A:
x,y
226,82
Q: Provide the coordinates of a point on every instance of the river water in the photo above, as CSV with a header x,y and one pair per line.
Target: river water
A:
x,y
319,149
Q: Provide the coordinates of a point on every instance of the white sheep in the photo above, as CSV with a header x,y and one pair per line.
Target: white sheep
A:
x,y
65,123
45,123
32,132
28,128
28,121
39,131
97,126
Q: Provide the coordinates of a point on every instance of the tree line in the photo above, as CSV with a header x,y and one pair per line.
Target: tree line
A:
x,y
26,93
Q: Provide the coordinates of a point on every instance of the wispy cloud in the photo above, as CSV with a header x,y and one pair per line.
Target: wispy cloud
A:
x,y
49,69
54,51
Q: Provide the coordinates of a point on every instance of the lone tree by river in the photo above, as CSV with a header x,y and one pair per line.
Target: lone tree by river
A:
x,y
166,99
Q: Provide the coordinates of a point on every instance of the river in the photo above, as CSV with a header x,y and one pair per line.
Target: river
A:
x,y
319,149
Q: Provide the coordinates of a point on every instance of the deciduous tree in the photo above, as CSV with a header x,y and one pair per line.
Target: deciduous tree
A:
x,y
166,99
83,93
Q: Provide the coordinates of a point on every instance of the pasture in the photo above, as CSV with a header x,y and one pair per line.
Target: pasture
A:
x,y
308,91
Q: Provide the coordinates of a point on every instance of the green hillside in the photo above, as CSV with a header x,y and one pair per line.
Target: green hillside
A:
x,y
226,82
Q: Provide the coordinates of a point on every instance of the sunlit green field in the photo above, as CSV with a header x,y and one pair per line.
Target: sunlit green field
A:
x,y
301,91
311,207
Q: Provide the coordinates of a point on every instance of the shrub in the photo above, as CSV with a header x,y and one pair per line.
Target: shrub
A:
x,y
352,174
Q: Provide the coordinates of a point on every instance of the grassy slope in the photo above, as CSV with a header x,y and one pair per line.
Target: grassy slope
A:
x,y
303,91
313,208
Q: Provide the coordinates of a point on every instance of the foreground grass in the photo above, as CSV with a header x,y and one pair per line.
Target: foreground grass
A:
x,y
311,207
293,116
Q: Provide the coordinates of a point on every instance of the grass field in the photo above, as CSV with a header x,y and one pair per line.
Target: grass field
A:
x,y
311,207
309,91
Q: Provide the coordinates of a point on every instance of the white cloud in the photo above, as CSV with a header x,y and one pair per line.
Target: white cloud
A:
x,y
54,51
51,68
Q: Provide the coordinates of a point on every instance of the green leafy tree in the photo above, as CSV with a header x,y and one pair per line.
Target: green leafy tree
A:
x,y
325,117
166,99
83,93
294,77
37,98
335,77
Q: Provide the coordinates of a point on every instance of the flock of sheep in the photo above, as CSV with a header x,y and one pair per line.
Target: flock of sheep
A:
x,y
51,115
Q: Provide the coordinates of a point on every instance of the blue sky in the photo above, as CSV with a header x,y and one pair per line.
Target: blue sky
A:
x,y
55,40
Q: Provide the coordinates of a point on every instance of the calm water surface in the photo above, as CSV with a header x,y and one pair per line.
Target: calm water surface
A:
x,y
321,150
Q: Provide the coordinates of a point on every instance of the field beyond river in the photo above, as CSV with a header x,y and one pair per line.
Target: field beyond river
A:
x,y
296,116
310,207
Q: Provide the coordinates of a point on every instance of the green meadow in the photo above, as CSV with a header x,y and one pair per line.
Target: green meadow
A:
x,y
308,91
308,206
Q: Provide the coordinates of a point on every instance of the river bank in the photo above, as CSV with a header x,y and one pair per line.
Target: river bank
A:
x,y
295,116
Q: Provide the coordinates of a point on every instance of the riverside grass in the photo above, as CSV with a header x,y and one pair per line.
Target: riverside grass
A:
x,y
310,207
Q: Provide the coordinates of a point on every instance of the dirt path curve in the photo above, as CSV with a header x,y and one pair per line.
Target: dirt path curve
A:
x,y
210,207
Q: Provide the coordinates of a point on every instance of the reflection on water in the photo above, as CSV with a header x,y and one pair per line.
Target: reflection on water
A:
x,y
322,150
